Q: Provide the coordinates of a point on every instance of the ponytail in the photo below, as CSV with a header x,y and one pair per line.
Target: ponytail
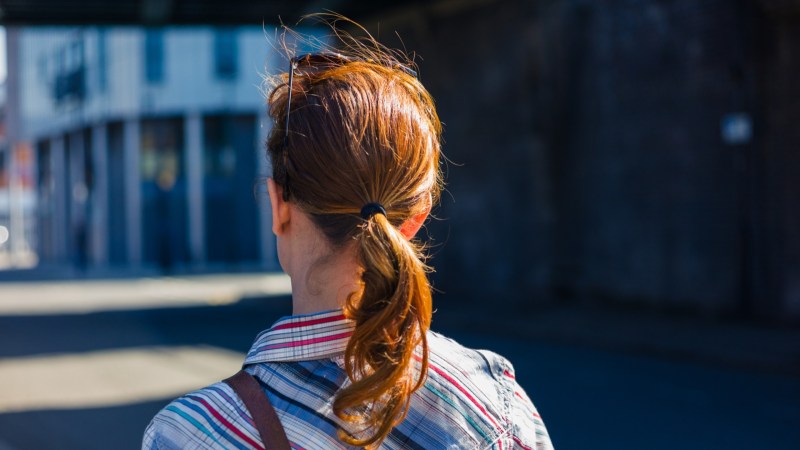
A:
x,y
361,130
392,314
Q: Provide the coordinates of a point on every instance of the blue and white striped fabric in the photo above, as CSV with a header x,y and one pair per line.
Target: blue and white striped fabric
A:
x,y
470,400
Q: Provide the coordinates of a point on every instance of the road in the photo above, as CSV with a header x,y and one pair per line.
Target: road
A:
x,y
92,379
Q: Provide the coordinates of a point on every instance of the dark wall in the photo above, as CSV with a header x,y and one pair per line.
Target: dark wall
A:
x,y
587,158
647,205
779,155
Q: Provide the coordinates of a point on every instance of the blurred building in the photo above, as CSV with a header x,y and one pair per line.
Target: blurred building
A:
x,y
146,144
639,153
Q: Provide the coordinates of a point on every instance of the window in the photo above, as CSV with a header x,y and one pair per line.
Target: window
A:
x,y
153,55
3,170
60,57
226,52
102,62
69,83
42,68
75,55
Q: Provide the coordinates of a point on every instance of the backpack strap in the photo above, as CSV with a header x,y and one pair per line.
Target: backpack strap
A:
x,y
256,401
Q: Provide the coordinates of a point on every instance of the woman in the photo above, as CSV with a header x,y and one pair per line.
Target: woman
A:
x,y
355,155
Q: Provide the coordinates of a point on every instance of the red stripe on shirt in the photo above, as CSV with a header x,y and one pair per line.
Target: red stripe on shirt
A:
x,y
307,323
516,439
225,422
318,340
465,392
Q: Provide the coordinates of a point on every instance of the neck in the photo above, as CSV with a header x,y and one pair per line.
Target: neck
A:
x,y
325,283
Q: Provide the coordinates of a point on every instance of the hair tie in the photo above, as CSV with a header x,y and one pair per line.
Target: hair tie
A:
x,y
370,209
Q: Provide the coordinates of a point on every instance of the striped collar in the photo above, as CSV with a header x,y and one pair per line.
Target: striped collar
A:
x,y
301,338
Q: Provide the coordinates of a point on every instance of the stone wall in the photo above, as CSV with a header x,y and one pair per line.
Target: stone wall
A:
x,y
586,155
779,158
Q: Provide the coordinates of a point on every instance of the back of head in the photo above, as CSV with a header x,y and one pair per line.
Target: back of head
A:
x,y
363,130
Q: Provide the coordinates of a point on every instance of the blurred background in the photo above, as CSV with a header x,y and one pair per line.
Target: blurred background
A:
x,y
621,220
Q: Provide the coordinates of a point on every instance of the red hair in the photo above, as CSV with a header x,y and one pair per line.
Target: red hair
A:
x,y
363,131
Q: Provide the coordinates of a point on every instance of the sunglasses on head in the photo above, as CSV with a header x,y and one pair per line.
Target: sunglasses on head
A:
x,y
315,61
318,60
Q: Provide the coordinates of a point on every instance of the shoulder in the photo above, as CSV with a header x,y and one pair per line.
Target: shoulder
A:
x,y
212,417
468,361
487,384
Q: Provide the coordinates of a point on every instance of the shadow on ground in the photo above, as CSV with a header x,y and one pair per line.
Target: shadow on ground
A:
x,y
589,397
231,326
117,427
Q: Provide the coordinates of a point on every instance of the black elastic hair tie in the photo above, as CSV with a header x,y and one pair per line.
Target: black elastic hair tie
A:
x,y
370,209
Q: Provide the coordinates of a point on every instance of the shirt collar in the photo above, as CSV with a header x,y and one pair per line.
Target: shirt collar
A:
x,y
300,338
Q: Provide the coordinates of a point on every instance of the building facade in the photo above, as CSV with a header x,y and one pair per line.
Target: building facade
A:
x,y
148,145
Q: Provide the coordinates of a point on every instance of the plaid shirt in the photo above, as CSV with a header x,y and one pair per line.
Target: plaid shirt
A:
x,y
470,399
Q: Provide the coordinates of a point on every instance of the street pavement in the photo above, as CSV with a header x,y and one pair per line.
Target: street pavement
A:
x,y
86,364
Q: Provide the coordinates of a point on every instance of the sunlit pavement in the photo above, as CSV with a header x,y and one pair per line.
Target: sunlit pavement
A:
x,y
85,365
109,377
67,297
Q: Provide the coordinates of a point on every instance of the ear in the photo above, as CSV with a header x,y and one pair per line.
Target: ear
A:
x,y
281,213
410,227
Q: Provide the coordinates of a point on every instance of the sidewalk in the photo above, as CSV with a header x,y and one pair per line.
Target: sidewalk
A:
x,y
126,343
745,345
719,342
82,296
146,341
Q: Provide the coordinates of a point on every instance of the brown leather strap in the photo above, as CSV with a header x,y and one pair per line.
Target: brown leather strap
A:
x,y
256,401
